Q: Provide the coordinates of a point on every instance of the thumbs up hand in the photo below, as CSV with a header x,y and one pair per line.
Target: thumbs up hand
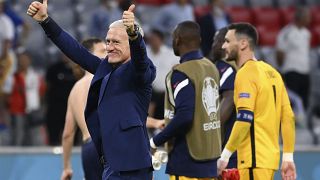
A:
x,y
128,19
38,10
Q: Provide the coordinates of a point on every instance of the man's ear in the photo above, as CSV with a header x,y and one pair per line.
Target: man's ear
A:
x,y
178,41
244,43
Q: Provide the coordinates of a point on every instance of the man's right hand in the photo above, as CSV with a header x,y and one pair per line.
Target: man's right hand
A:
x,y
66,174
38,11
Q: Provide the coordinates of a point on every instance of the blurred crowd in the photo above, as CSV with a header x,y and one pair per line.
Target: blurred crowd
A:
x,y
34,93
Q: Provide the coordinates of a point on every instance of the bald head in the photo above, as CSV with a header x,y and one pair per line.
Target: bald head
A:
x,y
119,24
186,37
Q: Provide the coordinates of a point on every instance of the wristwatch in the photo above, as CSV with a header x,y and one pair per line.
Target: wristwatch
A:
x,y
135,31
45,21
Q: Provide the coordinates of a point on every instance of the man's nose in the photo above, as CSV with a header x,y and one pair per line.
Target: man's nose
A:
x,y
110,46
223,46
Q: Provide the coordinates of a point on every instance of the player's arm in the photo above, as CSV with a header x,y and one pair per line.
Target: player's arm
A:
x,y
245,96
287,124
226,92
227,106
67,141
239,131
288,169
155,123
280,48
184,98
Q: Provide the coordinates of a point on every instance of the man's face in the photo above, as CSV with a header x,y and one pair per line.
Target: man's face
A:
x,y
231,46
118,48
216,47
24,61
306,18
155,41
100,50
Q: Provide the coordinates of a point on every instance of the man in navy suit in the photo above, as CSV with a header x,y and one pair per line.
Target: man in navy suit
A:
x,y
119,93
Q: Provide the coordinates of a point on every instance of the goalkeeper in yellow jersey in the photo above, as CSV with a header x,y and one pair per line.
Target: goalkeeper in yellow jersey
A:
x,y
263,109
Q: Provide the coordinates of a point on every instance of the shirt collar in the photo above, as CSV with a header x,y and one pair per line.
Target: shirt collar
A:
x,y
191,56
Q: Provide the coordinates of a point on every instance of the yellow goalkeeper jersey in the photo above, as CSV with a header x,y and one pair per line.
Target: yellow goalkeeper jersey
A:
x,y
259,89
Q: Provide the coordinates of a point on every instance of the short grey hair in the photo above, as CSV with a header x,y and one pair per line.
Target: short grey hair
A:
x,y
119,24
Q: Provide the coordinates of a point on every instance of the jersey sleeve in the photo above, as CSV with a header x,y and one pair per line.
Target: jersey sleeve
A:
x,y
239,131
287,124
245,91
227,74
184,98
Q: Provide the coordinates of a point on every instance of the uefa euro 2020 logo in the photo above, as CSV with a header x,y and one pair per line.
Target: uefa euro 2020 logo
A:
x,y
210,97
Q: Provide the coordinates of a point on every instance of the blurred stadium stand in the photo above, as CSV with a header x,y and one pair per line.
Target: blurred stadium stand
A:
x,y
269,16
286,13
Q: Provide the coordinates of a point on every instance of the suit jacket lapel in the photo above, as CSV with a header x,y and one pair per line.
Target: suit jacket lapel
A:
x,y
103,69
93,96
103,86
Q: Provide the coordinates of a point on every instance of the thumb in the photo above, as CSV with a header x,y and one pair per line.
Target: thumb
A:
x,y
45,2
131,8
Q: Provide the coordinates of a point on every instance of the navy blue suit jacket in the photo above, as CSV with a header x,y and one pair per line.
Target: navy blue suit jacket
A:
x,y
117,103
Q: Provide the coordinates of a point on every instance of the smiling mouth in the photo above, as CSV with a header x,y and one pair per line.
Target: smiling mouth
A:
x,y
112,54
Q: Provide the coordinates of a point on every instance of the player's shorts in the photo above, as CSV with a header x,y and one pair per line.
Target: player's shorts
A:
x,y
173,177
256,174
92,167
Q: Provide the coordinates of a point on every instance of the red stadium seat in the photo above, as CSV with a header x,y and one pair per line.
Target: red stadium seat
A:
x,y
153,2
200,11
267,36
267,16
240,14
287,14
315,15
315,36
